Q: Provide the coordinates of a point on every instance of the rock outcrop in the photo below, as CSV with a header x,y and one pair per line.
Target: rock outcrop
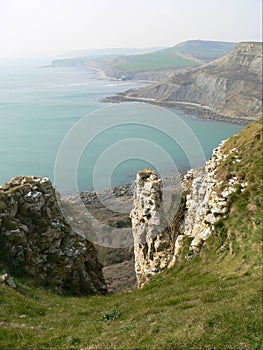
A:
x,y
153,246
36,240
204,200
230,87
207,199
146,219
7,280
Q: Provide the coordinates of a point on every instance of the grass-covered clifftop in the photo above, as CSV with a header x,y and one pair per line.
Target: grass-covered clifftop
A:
x,y
210,302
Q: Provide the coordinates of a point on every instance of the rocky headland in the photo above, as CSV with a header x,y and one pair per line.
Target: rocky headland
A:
x,y
227,88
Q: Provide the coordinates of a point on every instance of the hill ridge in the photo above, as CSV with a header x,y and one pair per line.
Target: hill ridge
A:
x,y
229,87
155,65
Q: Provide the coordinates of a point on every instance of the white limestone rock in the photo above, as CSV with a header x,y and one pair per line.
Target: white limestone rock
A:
x,y
204,204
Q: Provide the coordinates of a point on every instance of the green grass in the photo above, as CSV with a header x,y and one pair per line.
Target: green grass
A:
x,y
170,57
246,206
167,58
205,50
211,302
197,305
152,61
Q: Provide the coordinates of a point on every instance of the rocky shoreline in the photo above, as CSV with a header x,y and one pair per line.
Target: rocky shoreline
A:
x,y
202,112
93,197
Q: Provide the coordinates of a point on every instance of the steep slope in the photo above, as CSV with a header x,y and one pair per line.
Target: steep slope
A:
x,y
37,242
208,301
230,86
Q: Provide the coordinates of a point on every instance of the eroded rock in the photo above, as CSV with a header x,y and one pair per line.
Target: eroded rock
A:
x,y
153,246
204,201
36,240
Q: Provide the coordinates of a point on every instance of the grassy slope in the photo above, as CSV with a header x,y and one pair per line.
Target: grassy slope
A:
x,y
152,61
167,58
203,50
211,302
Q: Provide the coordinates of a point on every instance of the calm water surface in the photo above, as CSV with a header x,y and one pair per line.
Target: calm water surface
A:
x,y
39,107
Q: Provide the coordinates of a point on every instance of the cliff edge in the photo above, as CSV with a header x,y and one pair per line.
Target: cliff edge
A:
x,y
219,201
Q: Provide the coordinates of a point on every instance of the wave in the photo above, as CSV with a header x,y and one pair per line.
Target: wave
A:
x,y
118,84
67,85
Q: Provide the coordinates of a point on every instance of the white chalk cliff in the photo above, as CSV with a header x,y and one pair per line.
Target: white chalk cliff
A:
x,y
205,199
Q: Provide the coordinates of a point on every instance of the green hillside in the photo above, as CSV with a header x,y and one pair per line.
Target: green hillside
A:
x,y
210,302
184,55
152,61
205,50
188,54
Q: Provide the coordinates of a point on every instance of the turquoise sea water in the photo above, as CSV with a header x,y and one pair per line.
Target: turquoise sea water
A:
x,y
39,107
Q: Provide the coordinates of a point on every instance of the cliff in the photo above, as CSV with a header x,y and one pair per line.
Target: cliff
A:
x,y
230,86
36,241
209,199
151,248
208,299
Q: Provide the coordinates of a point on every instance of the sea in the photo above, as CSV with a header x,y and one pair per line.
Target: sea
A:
x,y
53,123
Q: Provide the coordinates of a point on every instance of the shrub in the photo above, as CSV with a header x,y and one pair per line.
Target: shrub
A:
x,y
111,315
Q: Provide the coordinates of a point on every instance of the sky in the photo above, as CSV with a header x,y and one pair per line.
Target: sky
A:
x,y
51,28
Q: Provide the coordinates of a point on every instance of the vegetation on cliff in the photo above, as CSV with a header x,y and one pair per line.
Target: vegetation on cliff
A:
x,y
212,301
241,231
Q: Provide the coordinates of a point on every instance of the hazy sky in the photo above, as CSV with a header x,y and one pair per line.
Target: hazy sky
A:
x,y
53,27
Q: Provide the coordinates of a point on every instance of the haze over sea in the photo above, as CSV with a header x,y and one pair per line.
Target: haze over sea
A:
x,y
38,107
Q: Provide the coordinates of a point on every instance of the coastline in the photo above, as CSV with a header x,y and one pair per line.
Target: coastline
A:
x,y
202,112
101,75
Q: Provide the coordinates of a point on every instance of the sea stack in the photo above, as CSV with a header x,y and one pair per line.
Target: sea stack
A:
x,y
151,244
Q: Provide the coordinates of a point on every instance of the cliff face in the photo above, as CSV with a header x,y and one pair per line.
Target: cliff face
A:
x,y
146,75
207,199
36,240
230,86
152,247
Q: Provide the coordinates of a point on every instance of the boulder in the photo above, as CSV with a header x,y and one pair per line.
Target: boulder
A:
x,y
7,280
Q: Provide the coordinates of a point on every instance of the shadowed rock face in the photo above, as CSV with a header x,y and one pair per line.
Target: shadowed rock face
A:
x,y
36,240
